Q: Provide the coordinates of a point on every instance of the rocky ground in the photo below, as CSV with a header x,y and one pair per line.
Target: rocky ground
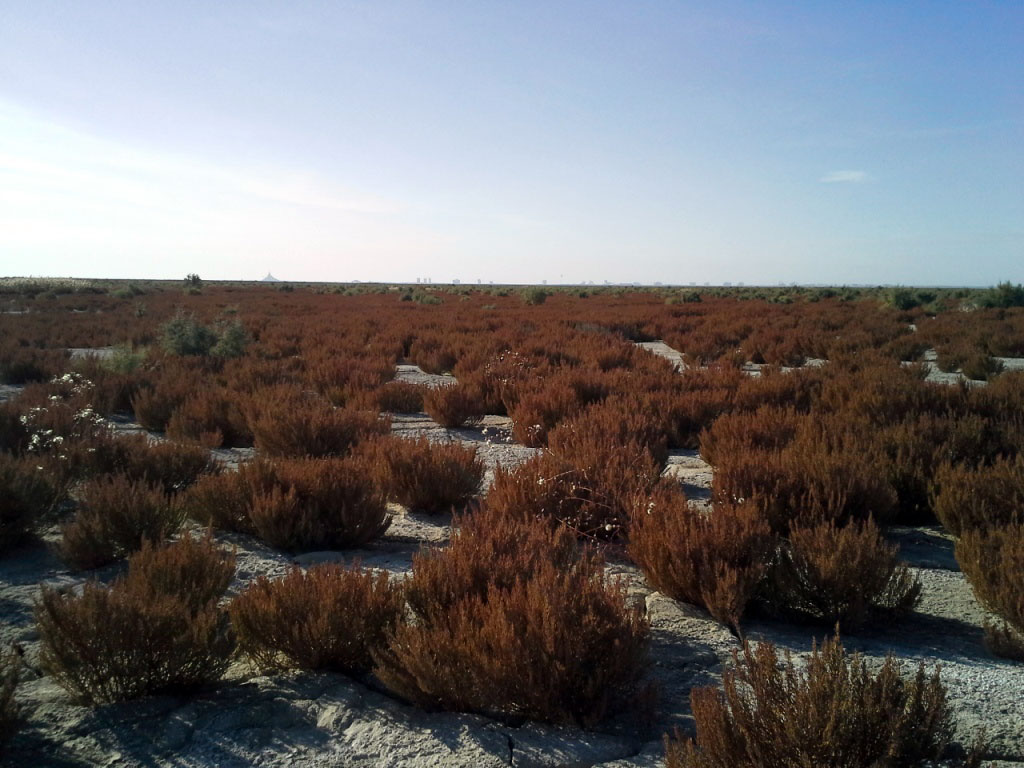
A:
x,y
307,719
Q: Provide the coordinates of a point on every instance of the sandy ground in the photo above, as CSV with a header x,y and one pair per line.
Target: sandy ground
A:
x,y
306,719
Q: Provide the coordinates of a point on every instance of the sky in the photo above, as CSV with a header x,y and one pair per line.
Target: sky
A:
x,y
514,141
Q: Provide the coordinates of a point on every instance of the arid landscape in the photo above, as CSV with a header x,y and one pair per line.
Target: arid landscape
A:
x,y
413,525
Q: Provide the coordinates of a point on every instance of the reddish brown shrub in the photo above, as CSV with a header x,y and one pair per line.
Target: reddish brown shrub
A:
x,y
715,560
212,418
10,713
156,630
993,561
328,617
840,575
807,481
172,466
833,711
153,406
399,397
116,515
559,643
452,406
297,424
432,477
620,421
537,413
319,504
223,501
981,498
26,495
767,428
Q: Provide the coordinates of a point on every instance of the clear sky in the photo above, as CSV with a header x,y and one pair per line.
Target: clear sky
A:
x,y
839,142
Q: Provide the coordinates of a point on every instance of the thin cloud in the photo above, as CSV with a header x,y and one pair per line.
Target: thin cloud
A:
x,y
844,177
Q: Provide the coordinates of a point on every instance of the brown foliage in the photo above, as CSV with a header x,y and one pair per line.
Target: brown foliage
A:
x,y
715,560
978,498
993,561
10,714
328,617
155,630
831,712
806,481
536,413
432,477
399,397
452,406
295,424
26,495
212,417
173,466
840,575
558,643
115,517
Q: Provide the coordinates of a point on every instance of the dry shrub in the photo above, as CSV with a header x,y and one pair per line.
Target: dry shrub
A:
x,y
155,630
557,643
432,477
965,498
26,495
223,501
993,562
173,466
452,406
154,406
399,397
212,417
116,515
830,712
328,617
715,560
537,413
621,421
840,575
590,488
10,714
768,428
297,424
806,481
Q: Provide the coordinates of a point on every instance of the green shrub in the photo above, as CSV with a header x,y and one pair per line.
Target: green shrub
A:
x,y
328,617
184,335
831,712
232,339
155,630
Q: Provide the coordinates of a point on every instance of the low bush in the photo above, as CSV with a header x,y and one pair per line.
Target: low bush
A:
x,y
536,413
173,466
400,397
431,477
993,562
452,406
328,617
26,495
212,418
296,424
765,429
840,575
807,481
714,560
832,711
115,516
559,643
967,498
10,714
155,630
297,505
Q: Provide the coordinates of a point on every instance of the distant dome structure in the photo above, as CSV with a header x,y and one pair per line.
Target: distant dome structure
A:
x,y
270,279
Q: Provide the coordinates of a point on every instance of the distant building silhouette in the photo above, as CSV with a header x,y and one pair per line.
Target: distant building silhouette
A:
x,y
270,279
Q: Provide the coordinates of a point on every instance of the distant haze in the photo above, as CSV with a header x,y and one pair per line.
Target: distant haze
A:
x,y
514,142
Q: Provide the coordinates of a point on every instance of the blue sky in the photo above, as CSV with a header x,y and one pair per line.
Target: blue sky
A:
x,y
868,142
